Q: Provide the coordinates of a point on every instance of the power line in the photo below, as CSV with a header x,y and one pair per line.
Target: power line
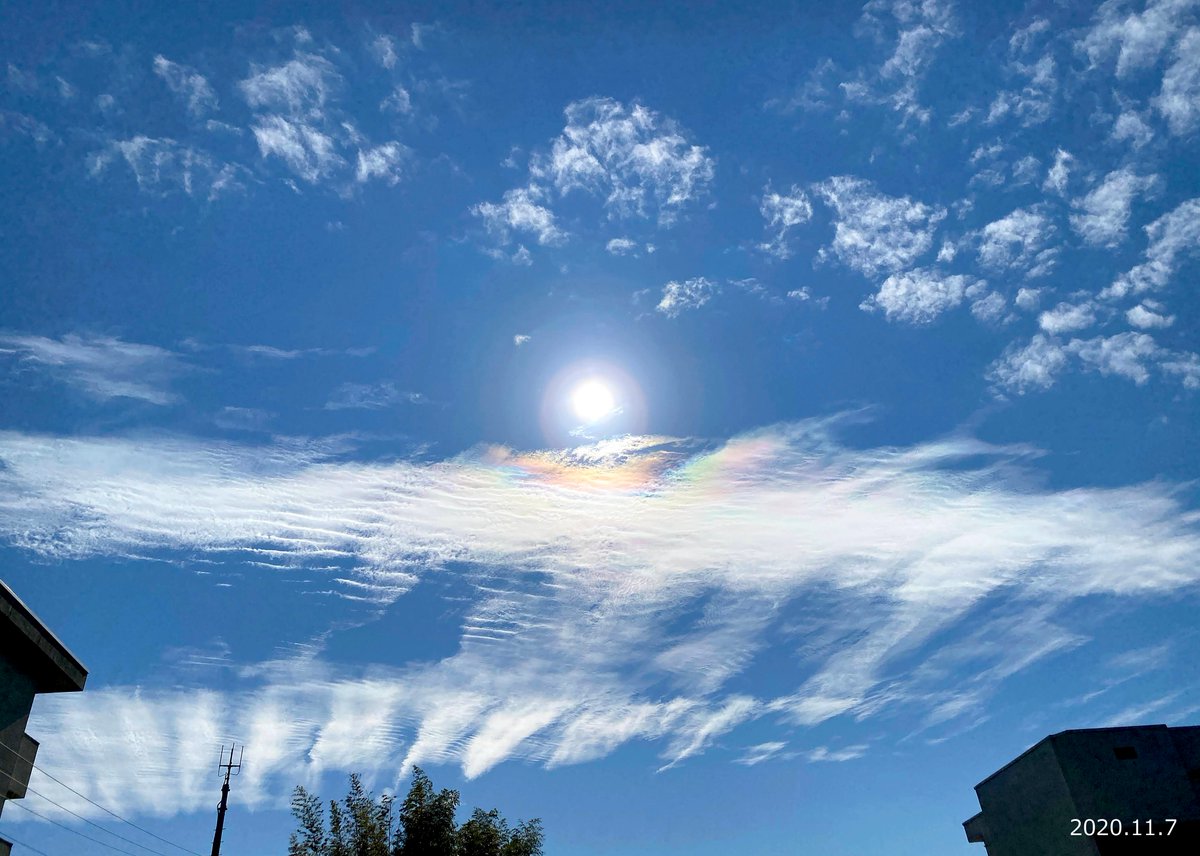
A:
x,y
23,807
97,805
84,819
28,847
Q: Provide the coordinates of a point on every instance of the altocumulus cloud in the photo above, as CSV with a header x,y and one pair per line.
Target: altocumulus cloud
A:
x,y
578,559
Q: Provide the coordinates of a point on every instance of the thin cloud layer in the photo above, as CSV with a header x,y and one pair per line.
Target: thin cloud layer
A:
x,y
100,367
577,561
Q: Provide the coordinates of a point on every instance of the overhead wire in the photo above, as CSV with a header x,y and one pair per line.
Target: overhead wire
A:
x,y
23,807
62,807
102,808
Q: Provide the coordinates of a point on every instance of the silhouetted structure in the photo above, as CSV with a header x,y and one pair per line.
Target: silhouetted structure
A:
x,y
1095,792
32,661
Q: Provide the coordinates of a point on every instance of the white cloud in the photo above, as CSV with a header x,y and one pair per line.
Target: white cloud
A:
x,y
1059,173
783,211
521,211
621,246
1068,317
562,655
1033,103
764,752
309,153
1124,354
1179,100
397,101
989,308
102,367
1186,366
187,83
877,234
1035,366
371,396
165,165
1028,298
637,160
919,31
689,294
1131,127
1171,235
384,50
1146,319
298,88
383,162
1019,242
918,296
1025,170
1137,39
846,753
1104,212
521,339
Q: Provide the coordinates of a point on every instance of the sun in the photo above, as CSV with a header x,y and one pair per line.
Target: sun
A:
x,y
592,400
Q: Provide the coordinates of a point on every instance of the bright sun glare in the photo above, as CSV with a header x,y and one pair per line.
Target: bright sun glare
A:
x,y
592,400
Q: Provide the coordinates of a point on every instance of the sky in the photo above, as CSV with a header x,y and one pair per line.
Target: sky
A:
x,y
701,426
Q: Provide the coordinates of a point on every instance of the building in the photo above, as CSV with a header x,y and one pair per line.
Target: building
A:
x,y
32,661
1095,792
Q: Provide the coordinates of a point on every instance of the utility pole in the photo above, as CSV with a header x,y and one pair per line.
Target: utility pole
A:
x,y
230,768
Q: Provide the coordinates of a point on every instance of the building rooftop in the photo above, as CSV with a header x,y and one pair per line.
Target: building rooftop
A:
x,y
1052,737
35,650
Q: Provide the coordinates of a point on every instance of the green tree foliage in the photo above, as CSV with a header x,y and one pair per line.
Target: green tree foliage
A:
x,y
423,824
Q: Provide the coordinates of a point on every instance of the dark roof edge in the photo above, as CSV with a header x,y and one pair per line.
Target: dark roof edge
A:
x,y
30,616
1050,737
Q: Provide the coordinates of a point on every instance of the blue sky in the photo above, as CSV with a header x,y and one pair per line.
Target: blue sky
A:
x,y
892,469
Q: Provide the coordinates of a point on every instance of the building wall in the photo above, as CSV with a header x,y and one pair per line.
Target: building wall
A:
x,y
1028,807
16,700
1152,785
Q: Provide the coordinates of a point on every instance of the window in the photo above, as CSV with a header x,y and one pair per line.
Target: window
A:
x,y
1125,753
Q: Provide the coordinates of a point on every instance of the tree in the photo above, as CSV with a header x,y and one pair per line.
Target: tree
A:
x,y
310,839
423,824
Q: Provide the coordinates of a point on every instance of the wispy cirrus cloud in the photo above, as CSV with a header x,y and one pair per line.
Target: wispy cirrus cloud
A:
x,y
574,562
187,83
101,367
371,396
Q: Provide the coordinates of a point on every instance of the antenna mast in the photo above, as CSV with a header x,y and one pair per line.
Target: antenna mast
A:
x,y
230,768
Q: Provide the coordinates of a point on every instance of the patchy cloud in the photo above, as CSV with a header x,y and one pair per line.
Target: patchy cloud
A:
x,y
639,162
1104,212
164,166
919,296
782,212
874,233
522,210
689,294
1019,242
1171,236
1135,39
1179,99
1068,317
188,84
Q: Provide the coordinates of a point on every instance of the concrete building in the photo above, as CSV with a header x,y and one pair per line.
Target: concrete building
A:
x,y
1095,792
32,661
